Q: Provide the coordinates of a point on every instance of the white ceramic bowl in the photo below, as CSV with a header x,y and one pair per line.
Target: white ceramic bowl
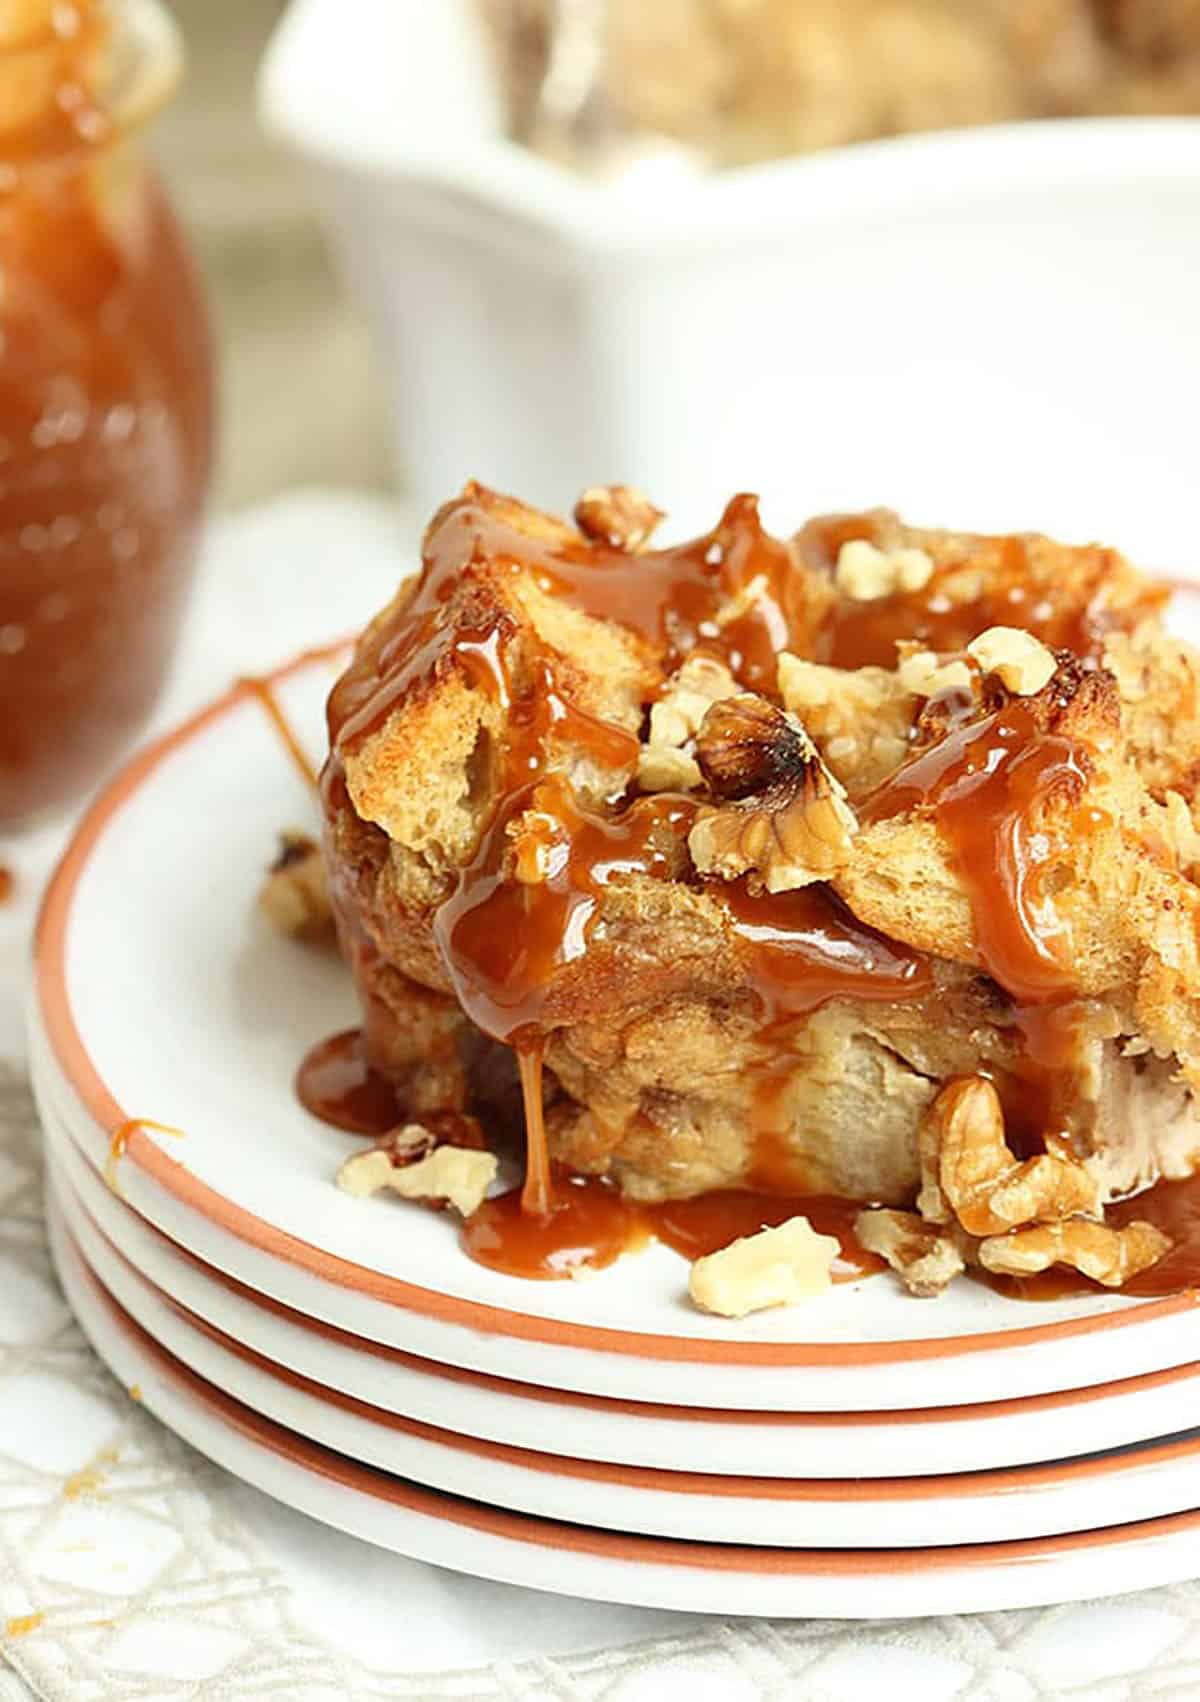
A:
x,y
985,328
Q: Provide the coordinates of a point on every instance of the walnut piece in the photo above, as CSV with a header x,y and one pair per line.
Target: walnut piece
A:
x,y
1021,661
617,515
1108,1256
411,1162
782,815
775,1267
925,675
538,845
687,698
664,768
295,894
865,572
666,762
923,1257
967,1166
859,718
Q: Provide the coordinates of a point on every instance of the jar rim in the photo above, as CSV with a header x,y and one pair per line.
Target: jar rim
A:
x,y
148,59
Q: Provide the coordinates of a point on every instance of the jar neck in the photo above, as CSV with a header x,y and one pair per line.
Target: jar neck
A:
x,y
77,76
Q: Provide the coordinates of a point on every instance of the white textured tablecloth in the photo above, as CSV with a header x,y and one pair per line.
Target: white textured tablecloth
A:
x,y
131,1568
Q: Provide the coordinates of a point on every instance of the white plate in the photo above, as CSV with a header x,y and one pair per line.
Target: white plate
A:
x,y
708,1440
163,997
579,1560
905,1512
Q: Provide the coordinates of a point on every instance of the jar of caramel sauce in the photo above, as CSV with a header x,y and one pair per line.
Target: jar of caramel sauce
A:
x,y
105,394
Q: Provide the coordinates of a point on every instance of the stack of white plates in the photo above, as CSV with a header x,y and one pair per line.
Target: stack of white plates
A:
x,y
864,1454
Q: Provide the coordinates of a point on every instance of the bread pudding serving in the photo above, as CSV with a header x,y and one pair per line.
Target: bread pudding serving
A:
x,y
834,892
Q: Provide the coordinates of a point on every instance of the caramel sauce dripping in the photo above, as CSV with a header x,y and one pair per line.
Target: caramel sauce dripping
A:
x,y
119,1141
262,690
536,1194
987,785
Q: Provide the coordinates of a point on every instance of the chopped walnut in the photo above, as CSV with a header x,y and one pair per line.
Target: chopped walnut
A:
x,y
925,675
687,698
859,718
538,844
617,515
867,573
924,1258
664,768
773,1268
781,814
410,1161
977,1176
1021,661
1096,1250
666,763
295,894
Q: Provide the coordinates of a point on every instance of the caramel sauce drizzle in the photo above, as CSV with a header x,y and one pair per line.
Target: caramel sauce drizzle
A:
x,y
859,635
536,1194
675,599
504,936
262,690
119,1141
805,947
336,1083
989,785
590,1224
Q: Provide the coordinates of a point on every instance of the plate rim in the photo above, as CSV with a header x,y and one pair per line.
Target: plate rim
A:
x,y
889,1418
978,1483
556,1536
79,1069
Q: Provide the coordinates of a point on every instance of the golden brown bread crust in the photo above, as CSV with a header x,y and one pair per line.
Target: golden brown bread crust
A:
x,y
663,1074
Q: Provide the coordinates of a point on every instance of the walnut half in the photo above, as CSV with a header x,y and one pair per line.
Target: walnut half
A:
x,y
1106,1255
781,816
295,894
968,1168
617,515
925,1257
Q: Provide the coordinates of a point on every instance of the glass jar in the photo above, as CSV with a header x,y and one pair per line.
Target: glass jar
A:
x,y
105,394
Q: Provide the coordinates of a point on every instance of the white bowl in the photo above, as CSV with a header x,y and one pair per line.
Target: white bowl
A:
x,y
995,327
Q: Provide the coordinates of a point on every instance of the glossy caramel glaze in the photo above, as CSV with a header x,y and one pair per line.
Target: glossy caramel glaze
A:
x,y
590,1224
670,598
858,635
988,785
805,947
335,1083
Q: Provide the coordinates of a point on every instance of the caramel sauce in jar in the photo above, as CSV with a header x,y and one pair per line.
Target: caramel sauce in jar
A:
x,y
105,413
